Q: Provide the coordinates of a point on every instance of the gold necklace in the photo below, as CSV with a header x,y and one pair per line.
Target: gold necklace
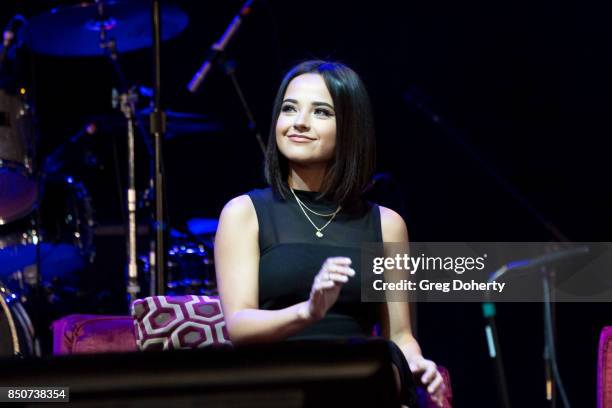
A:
x,y
311,210
332,215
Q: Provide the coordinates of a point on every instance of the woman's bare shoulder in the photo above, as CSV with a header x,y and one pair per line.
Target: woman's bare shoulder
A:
x,y
239,211
392,225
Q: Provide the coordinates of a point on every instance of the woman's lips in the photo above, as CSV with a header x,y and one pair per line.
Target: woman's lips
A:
x,y
300,139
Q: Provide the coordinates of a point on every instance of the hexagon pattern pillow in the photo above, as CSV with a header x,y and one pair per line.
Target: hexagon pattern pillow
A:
x,y
178,322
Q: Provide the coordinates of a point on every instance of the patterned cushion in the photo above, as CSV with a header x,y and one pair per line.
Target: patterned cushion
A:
x,y
178,322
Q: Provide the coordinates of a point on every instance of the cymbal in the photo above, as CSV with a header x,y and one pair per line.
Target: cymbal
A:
x,y
74,31
177,123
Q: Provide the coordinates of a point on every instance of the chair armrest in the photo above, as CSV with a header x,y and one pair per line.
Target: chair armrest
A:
x,y
80,333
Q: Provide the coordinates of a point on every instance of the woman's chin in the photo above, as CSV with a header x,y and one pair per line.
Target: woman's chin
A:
x,y
298,155
303,156
306,160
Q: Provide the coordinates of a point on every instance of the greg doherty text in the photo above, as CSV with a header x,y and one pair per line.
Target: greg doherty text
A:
x,y
426,285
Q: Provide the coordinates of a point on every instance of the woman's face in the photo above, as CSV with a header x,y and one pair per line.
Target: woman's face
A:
x,y
306,125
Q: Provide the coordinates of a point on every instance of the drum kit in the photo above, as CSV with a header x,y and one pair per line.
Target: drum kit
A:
x,y
47,222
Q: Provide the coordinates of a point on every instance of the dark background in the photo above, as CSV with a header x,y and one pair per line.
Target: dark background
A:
x,y
492,120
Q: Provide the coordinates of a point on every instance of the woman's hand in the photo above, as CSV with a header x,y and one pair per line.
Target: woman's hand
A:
x,y
334,273
427,372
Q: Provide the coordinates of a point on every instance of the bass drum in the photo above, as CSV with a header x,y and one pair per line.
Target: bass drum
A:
x,y
16,329
17,186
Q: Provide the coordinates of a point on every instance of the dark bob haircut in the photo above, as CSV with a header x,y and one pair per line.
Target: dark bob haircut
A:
x,y
354,159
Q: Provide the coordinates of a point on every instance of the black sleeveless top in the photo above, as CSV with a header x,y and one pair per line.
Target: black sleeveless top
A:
x,y
291,255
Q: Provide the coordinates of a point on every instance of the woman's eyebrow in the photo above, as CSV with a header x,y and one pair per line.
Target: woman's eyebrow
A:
x,y
313,104
322,104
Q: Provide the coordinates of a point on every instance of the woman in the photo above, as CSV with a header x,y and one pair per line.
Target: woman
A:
x,y
287,257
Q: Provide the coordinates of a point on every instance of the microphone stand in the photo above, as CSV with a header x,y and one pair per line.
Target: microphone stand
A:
x,y
229,66
489,312
217,54
219,47
553,378
550,359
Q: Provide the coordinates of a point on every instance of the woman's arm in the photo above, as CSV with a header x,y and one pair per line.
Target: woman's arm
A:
x,y
396,323
237,268
397,326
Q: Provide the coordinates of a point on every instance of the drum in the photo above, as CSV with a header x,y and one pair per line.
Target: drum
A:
x,y
61,244
67,215
191,268
190,259
17,186
16,330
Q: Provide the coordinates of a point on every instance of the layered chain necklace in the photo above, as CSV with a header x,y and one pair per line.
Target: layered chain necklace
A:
x,y
305,208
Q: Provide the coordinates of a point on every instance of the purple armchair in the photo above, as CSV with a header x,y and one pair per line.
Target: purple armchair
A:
x,y
81,333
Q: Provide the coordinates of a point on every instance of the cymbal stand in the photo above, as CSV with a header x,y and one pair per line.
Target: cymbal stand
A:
x,y
126,101
158,128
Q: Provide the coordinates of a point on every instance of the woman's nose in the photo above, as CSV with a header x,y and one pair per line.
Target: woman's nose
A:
x,y
301,121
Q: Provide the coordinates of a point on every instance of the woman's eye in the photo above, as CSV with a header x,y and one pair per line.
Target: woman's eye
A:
x,y
323,112
288,108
